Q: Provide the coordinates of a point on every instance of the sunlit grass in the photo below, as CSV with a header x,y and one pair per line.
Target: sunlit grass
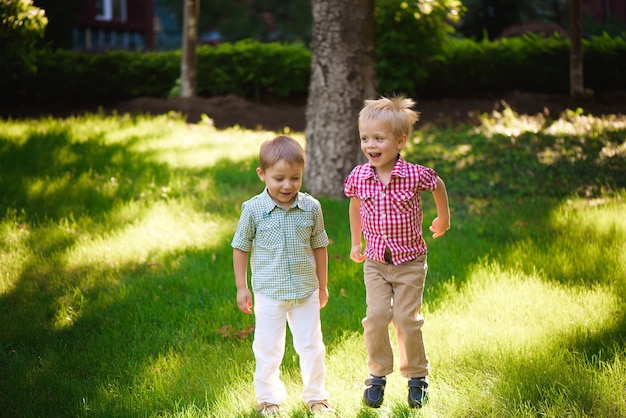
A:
x,y
117,294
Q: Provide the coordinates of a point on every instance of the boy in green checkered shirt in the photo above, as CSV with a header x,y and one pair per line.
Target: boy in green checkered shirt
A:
x,y
283,228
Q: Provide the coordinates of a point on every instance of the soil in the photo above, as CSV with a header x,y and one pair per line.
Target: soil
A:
x,y
227,111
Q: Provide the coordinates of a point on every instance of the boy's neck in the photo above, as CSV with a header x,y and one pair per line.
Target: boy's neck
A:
x,y
385,175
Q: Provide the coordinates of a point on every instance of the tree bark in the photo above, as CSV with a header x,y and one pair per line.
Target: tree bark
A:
x,y
189,60
343,75
577,88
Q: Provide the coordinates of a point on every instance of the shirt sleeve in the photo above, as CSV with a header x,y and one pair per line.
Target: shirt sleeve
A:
x,y
319,237
427,178
246,230
349,184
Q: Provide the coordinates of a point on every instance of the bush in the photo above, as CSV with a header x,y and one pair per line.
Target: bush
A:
x,y
252,69
259,71
247,68
22,25
528,63
410,37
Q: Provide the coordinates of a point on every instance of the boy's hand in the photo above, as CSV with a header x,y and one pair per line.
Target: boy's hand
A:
x,y
323,297
244,300
355,254
439,227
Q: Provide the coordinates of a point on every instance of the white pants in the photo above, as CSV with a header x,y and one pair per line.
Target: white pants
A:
x,y
303,317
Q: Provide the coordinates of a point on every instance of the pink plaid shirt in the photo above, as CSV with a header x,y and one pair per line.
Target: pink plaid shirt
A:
x,y
391,216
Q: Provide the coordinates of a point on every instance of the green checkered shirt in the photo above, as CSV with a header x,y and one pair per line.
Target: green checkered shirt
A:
x,y
282,243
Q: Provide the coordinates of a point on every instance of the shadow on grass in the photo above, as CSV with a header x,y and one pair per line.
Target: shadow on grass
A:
x,y
128,318
77,337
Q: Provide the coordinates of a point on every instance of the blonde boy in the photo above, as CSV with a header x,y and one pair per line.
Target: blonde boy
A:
x,y
385,207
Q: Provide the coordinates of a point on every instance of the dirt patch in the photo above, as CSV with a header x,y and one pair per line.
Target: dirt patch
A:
x,y
227,111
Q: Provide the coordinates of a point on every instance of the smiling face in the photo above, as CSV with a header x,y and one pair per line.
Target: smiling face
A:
x,y
283,181
379,144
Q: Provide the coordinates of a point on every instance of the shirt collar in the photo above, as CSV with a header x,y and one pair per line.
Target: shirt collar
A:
x,y
269,204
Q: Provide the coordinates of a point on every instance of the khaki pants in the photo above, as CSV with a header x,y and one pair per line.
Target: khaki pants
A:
x,y
394,295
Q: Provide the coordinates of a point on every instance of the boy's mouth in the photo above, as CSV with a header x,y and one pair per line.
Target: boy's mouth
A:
x,y
375,154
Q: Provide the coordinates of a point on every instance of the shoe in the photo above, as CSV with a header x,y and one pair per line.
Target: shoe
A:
x,y
320,407
266,409
374,391
418,392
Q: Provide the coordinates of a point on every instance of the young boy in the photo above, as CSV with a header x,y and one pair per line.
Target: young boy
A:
x,y
284,229
385,205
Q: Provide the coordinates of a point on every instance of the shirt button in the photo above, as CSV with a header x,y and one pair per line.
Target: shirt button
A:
x,y
385,236
382,215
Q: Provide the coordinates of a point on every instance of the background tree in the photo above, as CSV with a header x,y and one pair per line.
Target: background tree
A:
x,y
189,56
577,88
22,26
343,74
344,69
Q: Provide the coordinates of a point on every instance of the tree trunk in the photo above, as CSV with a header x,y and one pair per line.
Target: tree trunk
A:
x,y
189,60
343,75
576,82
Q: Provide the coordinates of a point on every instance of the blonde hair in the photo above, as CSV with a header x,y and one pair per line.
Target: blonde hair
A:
x,y
280,148
396,110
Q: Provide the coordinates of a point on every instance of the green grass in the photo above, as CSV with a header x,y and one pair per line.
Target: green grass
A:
x,y
117,296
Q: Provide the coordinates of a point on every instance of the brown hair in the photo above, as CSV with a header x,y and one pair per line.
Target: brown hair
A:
x,y
395,110
280,148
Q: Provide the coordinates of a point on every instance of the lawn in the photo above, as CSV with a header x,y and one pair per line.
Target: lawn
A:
x,y
117,295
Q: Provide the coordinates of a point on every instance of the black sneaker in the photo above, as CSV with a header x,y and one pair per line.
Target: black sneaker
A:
x,y
418,392
374,391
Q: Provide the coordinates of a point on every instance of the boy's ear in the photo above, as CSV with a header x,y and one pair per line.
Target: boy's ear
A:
x,y
259,173
402,142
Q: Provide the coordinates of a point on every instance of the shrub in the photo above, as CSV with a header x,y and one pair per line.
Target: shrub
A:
x,y
410,37
22,25
258,71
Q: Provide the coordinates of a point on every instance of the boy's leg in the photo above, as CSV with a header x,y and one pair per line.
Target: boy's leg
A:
x,y
408,283
305,326
378,317
269,349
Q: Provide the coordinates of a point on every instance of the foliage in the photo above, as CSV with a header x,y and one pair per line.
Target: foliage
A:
x,y
511,155
252,69
117,294
488,19
247,68
22,26
604,56
257,70
410,36
527,63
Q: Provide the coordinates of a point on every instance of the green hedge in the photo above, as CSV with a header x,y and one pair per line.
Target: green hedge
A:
x,y
258,70
528,63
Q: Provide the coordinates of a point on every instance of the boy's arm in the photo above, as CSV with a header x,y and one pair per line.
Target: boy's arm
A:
x,y
240,267
442,222
356,253
321,270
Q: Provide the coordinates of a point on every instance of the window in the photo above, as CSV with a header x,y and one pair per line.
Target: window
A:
x,y
111,10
